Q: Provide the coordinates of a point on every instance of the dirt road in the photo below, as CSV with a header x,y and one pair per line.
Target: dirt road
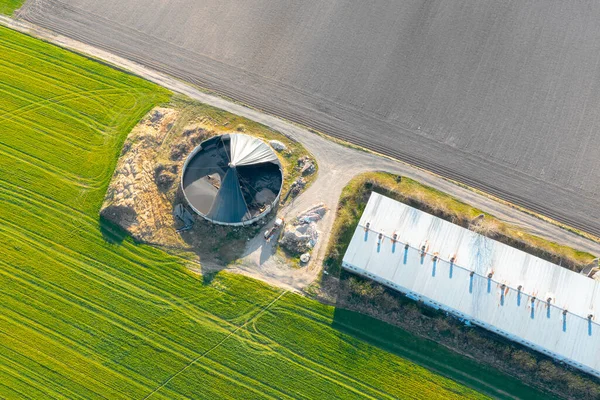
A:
x,y
337,164
501,96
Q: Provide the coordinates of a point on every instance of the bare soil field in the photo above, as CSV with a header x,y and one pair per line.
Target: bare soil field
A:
x,y
502,96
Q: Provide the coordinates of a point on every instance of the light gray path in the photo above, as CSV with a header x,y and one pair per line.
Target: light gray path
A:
x,y
500,95
337,164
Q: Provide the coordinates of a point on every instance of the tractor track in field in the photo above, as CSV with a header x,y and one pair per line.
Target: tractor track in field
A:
x,y
94,270
56,338
214,321
204,354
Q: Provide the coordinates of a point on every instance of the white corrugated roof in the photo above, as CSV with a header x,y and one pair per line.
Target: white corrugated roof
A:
x,y
248,150
478,297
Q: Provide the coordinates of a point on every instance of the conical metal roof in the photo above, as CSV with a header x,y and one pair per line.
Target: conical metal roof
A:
x,y
229,205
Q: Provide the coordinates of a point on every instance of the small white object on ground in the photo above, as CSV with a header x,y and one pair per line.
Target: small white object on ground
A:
x,y
304,258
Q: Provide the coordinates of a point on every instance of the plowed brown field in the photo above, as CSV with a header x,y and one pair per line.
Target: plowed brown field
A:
x,y
502,96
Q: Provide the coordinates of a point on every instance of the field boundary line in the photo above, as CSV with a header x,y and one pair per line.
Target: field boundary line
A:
x,y
201,356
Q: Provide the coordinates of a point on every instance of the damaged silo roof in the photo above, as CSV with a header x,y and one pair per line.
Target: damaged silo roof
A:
x,y
232,179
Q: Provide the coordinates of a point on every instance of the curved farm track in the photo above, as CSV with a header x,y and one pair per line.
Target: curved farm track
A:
x,y
500,97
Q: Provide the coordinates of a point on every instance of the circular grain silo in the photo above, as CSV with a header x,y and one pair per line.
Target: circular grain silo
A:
x,y
232,179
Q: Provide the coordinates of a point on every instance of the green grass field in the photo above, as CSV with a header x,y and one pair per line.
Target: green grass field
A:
x,y
7,7
86,313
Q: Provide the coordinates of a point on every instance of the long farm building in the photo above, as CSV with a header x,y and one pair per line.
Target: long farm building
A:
x,y
507,291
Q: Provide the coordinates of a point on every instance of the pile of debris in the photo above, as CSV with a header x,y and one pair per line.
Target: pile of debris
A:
x,y
182,213
592,270
313,214
165,176
277,145
300,238
156,117
302,235
194,135
295,188
306,166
